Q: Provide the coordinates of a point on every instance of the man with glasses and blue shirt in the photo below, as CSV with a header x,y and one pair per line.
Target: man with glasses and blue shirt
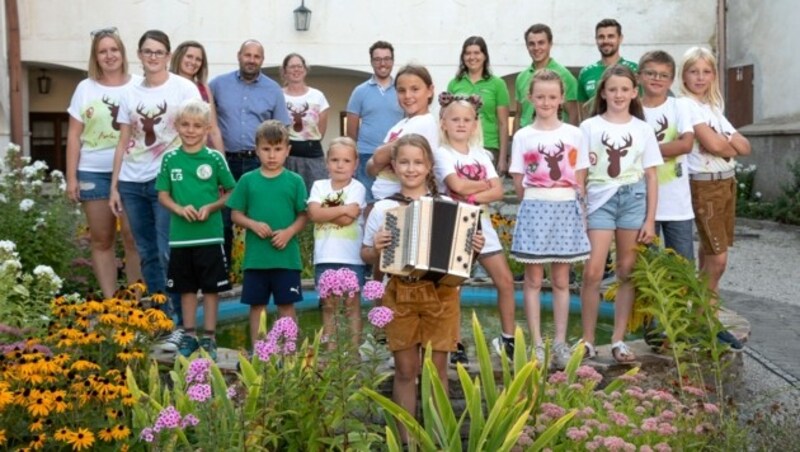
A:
x,y
244,99
373,109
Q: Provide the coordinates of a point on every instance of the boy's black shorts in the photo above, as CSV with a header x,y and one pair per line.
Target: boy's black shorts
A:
x,y
196,268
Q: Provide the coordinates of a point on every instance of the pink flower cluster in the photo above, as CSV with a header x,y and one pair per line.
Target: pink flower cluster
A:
x,y
588,373
610,443
282,339
199,392
168,419
373,290
340,283
198,371
380,316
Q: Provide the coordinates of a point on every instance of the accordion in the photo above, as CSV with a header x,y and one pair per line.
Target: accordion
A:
x,y
431,240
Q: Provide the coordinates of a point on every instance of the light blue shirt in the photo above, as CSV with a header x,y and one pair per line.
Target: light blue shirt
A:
x,y
243,106
379,111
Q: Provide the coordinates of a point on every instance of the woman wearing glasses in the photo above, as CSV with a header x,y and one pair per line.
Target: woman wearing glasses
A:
x,y
190,62
93,135
147,131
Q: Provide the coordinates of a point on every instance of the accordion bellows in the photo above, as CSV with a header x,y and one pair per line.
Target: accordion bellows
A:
x,y
431,240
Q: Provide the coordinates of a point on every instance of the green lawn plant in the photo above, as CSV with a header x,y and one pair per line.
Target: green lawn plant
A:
x,y
496,415
749,202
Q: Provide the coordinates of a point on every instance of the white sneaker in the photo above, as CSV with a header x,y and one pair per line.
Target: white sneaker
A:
x,y
170,342
538,350
561,355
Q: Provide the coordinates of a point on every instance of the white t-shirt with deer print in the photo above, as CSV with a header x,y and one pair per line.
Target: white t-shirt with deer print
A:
x,y
699,160
304,111
151,112
670,120
616,155
546,158
96,106
334,244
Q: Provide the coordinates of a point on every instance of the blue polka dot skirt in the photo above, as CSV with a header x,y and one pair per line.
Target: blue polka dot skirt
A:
x,y
550,231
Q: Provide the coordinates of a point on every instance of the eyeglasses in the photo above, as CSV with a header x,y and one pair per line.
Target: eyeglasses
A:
x,y
657,75
377,60
153,53
295,66
104,31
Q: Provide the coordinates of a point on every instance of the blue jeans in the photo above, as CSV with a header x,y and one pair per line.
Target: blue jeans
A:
x,y
238,166
678,236
149,222
362,176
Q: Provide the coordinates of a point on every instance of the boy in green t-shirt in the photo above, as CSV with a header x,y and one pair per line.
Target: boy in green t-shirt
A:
x,y
193,184
270,204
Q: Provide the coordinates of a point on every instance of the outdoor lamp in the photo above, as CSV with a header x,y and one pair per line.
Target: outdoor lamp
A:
x,y
43,82
302,17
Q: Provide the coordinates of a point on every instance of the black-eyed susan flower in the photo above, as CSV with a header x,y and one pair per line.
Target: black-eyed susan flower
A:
x,y
83,365
113,414
62,434
81,439
40,407
106,434
38,441
3,438
59,399
124,337
139,286
120,432
36,426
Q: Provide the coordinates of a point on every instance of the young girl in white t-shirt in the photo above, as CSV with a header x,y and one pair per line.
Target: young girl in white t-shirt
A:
x,y
617,163
466,172
550,227
414,87
335,206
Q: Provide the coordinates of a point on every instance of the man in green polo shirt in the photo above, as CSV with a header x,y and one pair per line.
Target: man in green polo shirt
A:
x,y
539,41
608,36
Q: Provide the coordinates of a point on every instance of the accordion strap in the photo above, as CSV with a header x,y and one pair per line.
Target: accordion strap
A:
x,y
403,199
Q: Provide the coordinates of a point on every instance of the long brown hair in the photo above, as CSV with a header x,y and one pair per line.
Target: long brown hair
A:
x,y
95,71
418,141
177,56
600,105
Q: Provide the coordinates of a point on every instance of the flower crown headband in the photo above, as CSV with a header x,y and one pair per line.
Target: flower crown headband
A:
x,y
446,99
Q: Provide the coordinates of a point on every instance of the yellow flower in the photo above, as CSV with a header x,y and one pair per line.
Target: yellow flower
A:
x,y
62,434
124,337
41,406
84,365
106,434
130,355
62,358
81,439
6,396
158,298
2,437
128,399
38,442
113,414
120,432
36,426
139,286
59,401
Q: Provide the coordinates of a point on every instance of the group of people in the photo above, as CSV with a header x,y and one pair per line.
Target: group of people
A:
x,y
166,153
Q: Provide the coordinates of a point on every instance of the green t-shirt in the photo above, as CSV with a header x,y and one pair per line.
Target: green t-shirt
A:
x,y
523,84
194,179
275,201
494,94
590,76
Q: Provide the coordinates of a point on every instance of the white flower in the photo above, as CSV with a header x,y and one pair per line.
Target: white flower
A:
x,y
29,172
26,205
12,148
752,167
741,185
8,246
46,272
3,198
26,159
758,194
37,183
12,264
39,223
39,165
56,174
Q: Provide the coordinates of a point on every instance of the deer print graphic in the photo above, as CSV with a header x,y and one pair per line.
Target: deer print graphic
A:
x,y
149,121
114,109
615,153
297,115
471,171
553,159
663,125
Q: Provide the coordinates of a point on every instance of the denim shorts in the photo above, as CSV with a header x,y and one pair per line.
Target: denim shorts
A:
x,y
319,269
94,186
625,210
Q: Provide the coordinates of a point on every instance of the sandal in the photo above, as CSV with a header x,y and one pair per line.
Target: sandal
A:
x,y
622,353
589,352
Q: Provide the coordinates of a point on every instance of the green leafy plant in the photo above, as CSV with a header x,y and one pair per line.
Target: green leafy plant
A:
x,y
24,295
496,416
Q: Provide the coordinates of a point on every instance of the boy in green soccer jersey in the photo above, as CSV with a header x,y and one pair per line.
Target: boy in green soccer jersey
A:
x,y
193,184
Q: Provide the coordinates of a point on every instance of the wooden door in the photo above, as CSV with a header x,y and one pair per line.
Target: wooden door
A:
x,y
49,139
739,96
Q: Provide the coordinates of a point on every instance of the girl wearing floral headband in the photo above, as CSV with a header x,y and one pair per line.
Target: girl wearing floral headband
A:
x,y
467,174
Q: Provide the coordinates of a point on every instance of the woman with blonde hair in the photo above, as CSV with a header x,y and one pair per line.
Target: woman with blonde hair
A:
x,y
91,139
